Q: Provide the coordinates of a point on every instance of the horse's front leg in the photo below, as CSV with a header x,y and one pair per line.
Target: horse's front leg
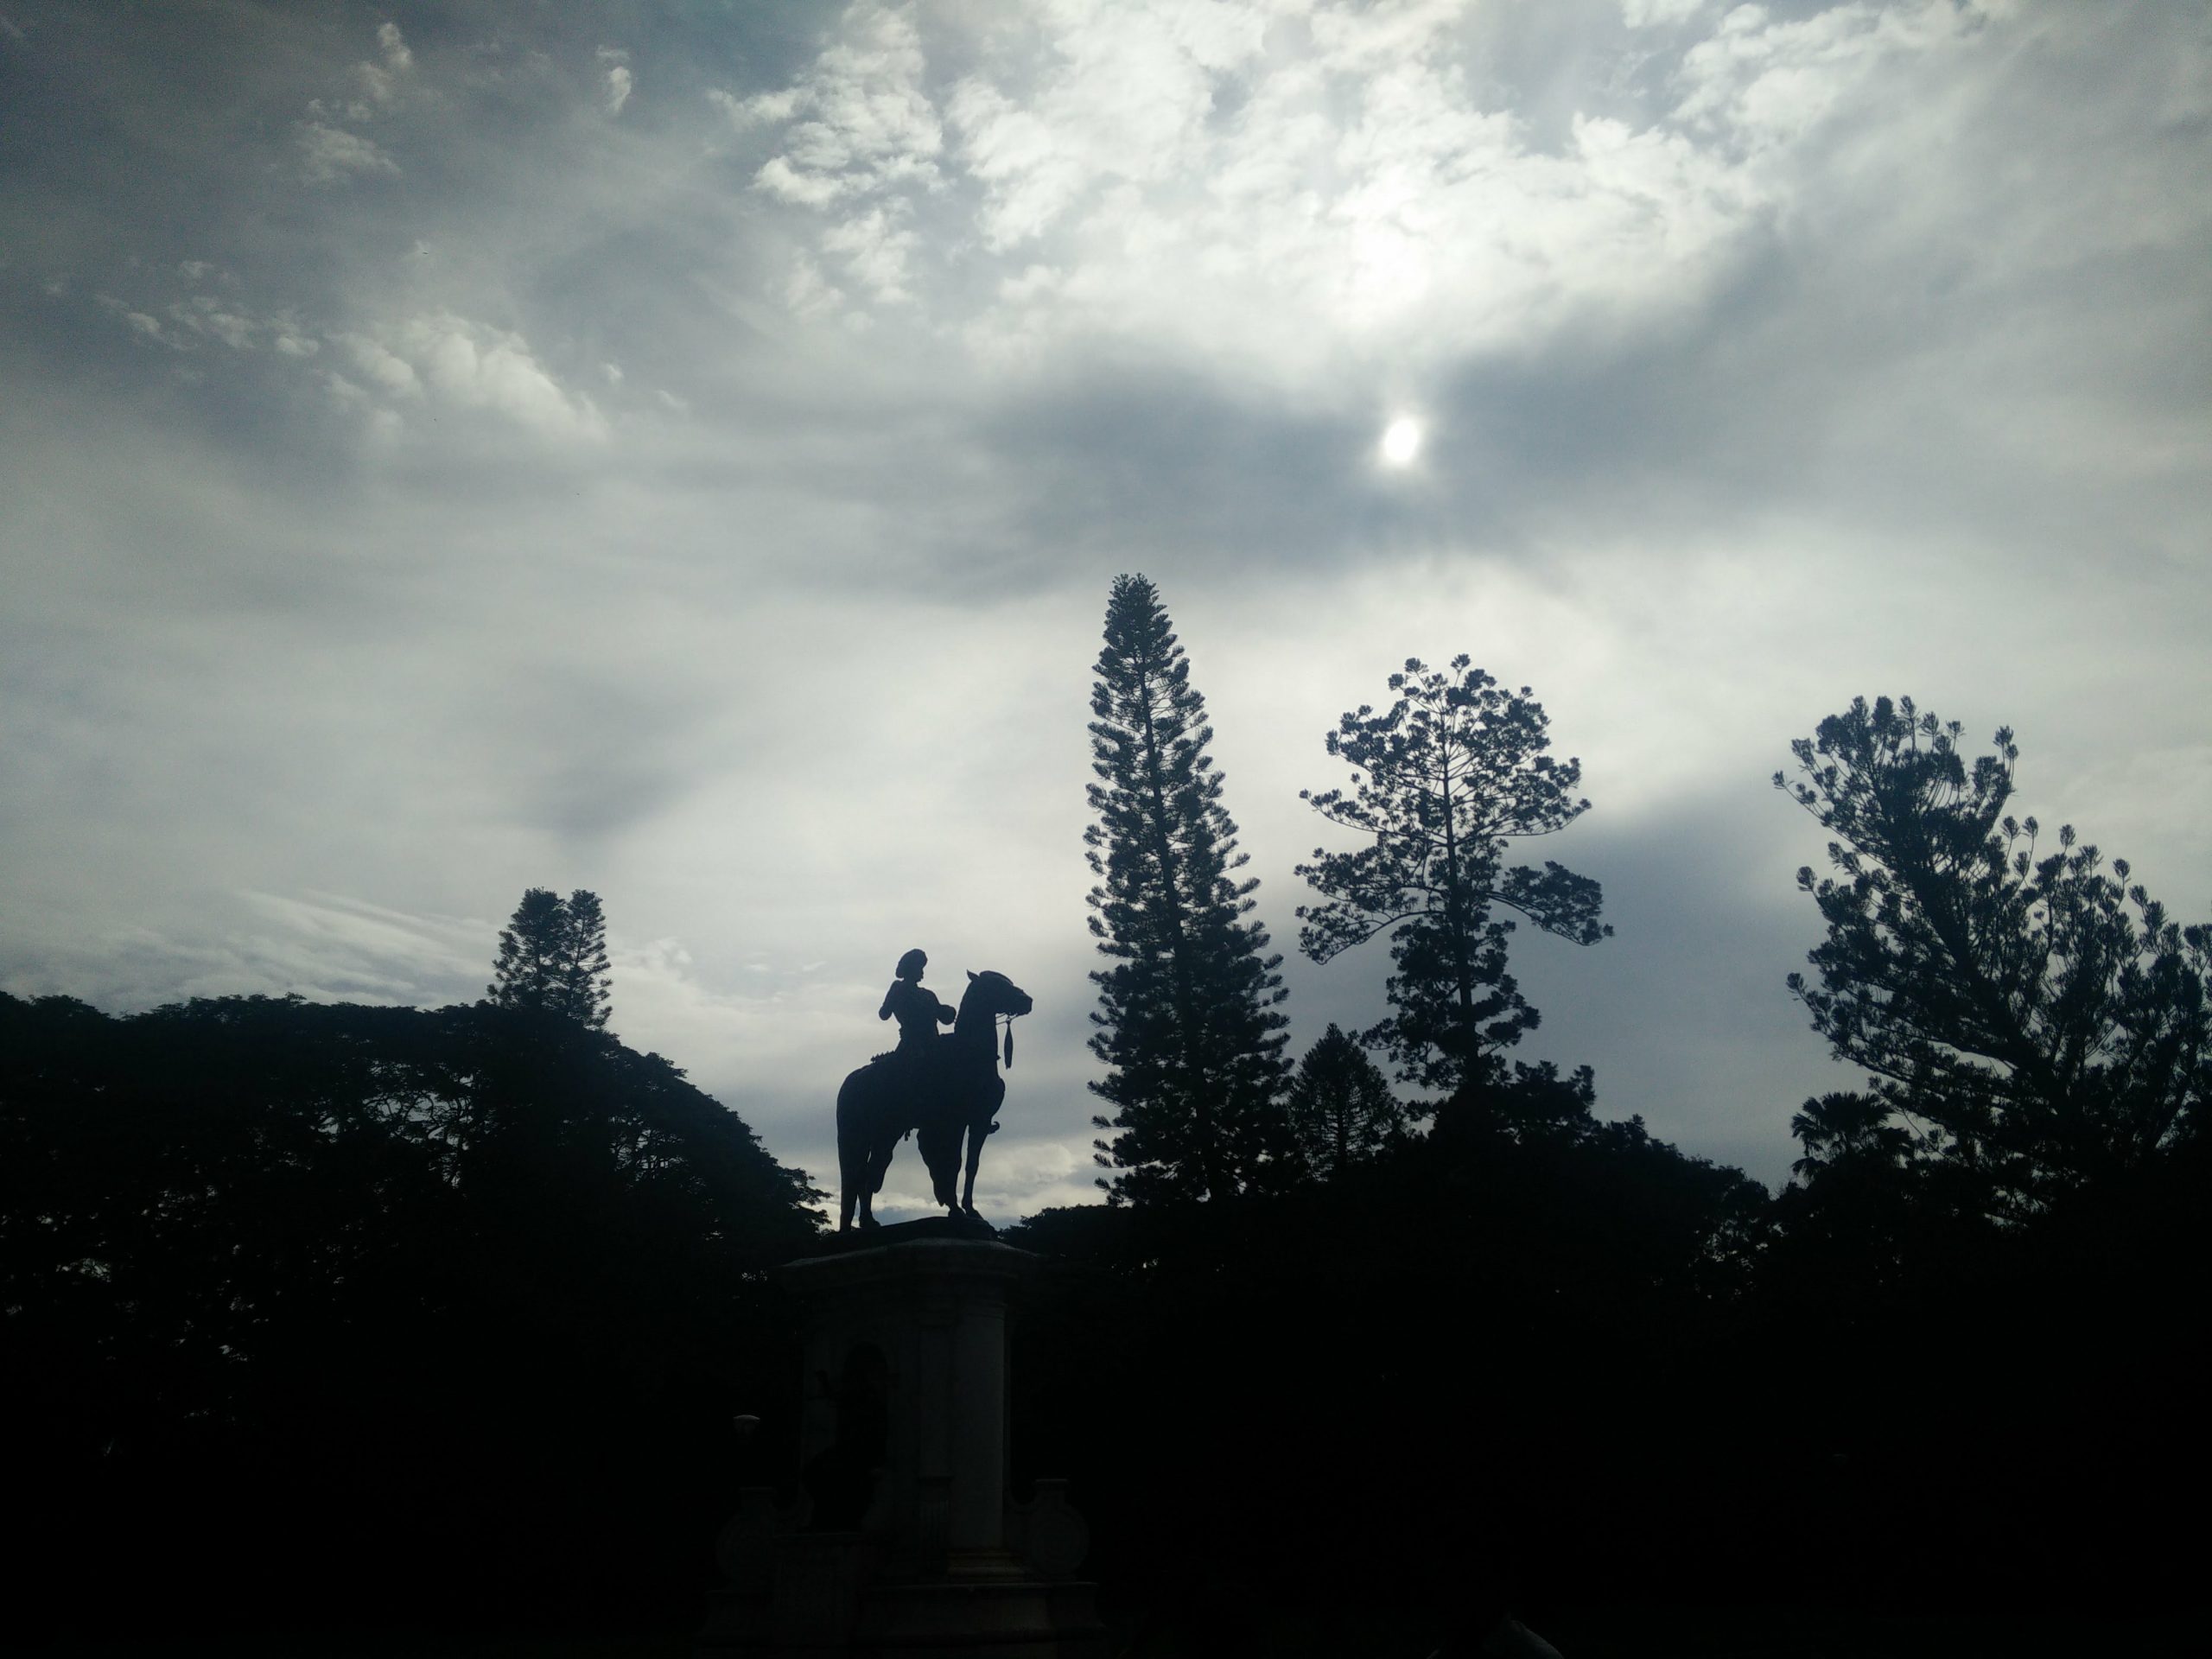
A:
x,y
975,1134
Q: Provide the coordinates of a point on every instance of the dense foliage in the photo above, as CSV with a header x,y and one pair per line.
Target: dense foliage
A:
x,y
1187,1022
1342,1110
2029,1024
444,1308
1471,1370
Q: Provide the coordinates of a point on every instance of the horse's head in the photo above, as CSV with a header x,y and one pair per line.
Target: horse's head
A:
x,y
995,994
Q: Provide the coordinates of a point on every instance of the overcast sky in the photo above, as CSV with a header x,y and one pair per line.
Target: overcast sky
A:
x,y
682,450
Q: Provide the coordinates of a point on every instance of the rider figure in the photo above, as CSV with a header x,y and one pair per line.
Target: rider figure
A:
x,y
918,1013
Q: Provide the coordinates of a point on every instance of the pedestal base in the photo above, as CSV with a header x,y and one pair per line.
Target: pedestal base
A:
x,y
822,1597
904,1542
1004,1619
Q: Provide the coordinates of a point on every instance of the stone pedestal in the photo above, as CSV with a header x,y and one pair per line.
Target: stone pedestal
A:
x,y
904,1540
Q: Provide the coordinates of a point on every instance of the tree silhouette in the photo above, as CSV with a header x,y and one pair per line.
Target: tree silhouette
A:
x,y
1186,1019
1441,782
2031,1020
553,958
1341,1108
585,977
312,1288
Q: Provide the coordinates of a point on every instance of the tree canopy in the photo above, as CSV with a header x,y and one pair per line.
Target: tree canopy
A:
x,y
2023,1016
336,1289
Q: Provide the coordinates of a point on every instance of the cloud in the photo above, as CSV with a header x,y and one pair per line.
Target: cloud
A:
x,y
463,365
473,366
397,57
1655,13
145,327
381,81
204,314
859,119
618,78
331,155
383,366
874,248
1758,82
1213,181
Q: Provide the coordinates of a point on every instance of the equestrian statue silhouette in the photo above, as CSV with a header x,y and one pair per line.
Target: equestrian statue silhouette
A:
x,y
945,1089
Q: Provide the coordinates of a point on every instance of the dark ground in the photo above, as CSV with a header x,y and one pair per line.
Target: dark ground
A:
x,y
1746,1632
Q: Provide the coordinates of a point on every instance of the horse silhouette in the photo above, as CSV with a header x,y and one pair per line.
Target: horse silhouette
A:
x,y
952,1101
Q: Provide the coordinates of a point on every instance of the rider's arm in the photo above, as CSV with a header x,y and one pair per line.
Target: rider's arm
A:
x,y
890,997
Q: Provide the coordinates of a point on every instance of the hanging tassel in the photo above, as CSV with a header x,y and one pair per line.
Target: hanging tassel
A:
x,y
1009,1042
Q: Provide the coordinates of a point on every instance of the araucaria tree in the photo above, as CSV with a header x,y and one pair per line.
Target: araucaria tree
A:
x,y
2028,1022
1187,1022
553,958
1341,1108
1442,782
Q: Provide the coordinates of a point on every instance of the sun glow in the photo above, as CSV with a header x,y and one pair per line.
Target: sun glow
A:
x,y
1402,442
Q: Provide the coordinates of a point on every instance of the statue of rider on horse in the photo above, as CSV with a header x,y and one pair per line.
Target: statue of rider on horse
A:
x,y
945,1090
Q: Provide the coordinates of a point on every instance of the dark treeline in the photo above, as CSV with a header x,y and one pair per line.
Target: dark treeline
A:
x,y
1538,1361
1532,1358
334,1315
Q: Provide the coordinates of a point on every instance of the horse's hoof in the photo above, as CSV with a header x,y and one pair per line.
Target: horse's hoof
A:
x,y
870,1223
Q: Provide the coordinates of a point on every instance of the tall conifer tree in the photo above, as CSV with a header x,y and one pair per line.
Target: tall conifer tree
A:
x,y
531,947
1186,1021
553,958
1341,1108
586,978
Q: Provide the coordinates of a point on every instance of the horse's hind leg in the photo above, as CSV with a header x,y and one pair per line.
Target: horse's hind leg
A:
x,y
851,1169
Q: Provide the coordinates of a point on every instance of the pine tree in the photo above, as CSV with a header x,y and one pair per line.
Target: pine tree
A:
x,y
1441,782
2022,1017
553,958
1341,1107
585,978
1187,1022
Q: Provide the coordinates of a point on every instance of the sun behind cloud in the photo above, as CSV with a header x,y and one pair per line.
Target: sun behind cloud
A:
x,y
1402,442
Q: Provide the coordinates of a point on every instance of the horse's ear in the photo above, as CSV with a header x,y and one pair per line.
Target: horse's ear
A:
x,y
971,973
